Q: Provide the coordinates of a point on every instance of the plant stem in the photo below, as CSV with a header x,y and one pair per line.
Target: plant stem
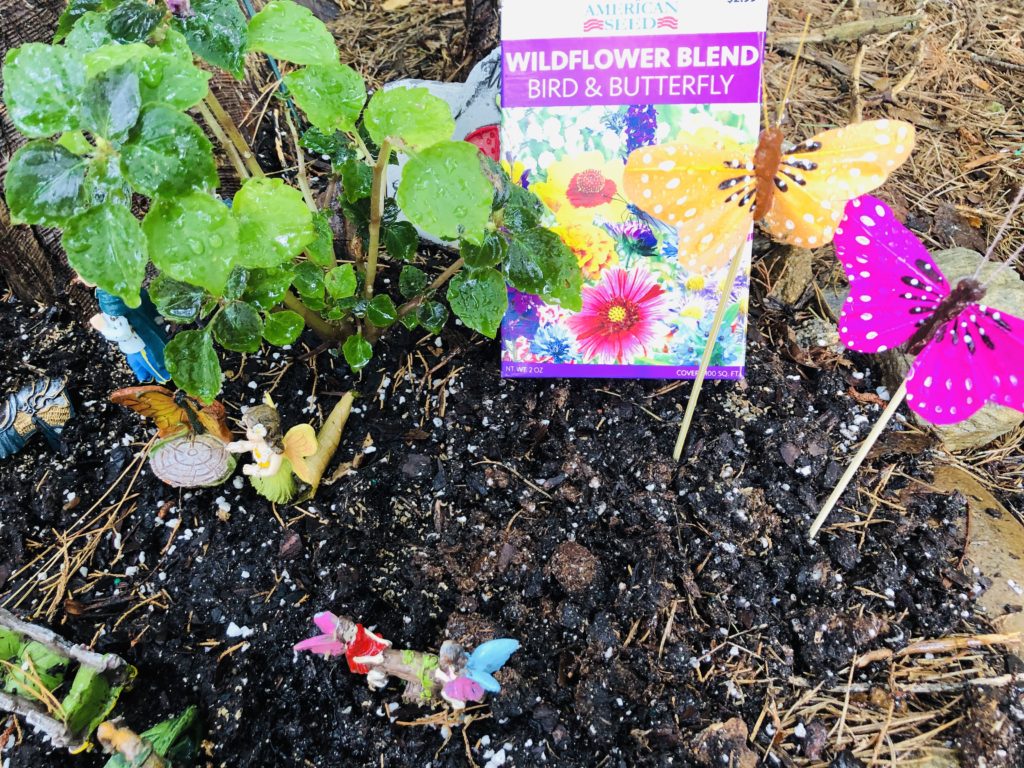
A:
x,y
321,327
301,176
241,145
858,458
709,348
380,175
229,148
443,278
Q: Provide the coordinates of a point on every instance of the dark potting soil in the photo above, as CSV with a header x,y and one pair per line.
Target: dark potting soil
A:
x,y
548,511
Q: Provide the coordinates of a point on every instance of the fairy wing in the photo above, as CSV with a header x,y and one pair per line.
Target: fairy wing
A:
x,y
702,185
299,443
487,659
895,286
156,403
464,689
815,180
977,357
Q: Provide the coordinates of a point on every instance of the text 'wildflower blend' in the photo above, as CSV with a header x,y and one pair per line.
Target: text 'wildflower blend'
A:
x,y
585,85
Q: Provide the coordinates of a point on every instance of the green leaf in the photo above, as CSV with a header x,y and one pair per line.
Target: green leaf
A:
x,y
332,95
175,300
401,240
412,282
381,311
216,31
89,33
341,282
193,364
479,297
444,192
133,21
45,184
335,147
164,77
75,143
193,238
105,182
522,210
432,315
538,262
238,327
357,352
167,153
291,32
42,88
321,250
234,289
266,288
74,11
282,328
309,280
409,320
274,223
356,179
106,246
174,43
111,103
490,253
412,117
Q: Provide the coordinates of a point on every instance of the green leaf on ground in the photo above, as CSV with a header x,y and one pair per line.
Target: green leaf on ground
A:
x,y
432,315
357,352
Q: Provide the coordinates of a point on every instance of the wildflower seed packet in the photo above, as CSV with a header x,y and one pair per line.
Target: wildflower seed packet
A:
x,y
585,86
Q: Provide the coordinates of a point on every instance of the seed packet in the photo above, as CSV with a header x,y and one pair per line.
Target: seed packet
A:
x,y
584,86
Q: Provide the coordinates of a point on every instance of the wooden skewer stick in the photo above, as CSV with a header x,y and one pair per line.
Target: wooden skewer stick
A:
x,y
858,459
709,348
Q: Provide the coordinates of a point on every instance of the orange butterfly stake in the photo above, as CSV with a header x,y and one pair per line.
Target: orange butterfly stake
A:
x,y
711,189
191,441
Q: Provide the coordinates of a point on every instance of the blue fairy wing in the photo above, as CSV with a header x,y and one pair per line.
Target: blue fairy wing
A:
x,y
491,656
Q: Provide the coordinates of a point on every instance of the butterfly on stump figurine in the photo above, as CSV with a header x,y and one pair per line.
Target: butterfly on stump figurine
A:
x,y
966,353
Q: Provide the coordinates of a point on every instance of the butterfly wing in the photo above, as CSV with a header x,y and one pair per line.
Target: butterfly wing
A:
x,y
819,176
978,357
156,403
214,421
894,283
701,184
300,442
464,689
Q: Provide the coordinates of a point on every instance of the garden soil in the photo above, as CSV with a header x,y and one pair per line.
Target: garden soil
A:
x,y
669,615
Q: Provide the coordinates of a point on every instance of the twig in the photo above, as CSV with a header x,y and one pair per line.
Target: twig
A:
x,y
857,109
241,145
858,458
301,176
441,279
850,31
225,142
322,328
709,348
1001,63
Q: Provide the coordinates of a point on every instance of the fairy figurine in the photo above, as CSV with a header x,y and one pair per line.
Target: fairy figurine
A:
x,y
135,332
299,453
276,459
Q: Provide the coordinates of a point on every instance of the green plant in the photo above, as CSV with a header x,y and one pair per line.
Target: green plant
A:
x,y
108,112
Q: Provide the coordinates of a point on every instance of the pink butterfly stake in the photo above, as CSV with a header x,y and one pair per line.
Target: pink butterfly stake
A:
x,y
965,353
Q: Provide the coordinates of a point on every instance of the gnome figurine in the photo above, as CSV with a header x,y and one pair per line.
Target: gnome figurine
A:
x,y
135,332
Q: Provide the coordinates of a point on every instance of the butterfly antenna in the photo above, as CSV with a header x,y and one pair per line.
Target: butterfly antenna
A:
x,y
792,71
999,236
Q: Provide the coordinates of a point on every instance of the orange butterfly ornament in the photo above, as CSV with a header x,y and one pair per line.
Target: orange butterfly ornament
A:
x,y
711,188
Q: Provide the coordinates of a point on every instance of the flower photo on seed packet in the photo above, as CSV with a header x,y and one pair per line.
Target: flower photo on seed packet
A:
x,y
641,306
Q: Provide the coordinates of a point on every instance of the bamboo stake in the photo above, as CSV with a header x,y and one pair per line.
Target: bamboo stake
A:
x,y
858,458
709,348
